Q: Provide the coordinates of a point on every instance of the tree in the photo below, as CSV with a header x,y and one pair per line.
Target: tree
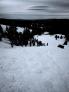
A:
x,y
1,33
26,36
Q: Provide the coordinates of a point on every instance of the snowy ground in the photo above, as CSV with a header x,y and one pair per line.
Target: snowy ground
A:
x,y
34,69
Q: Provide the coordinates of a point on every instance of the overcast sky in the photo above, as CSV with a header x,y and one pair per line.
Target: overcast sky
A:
x,y
34,9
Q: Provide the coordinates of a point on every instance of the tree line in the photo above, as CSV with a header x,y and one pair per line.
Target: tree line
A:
x,y
20,38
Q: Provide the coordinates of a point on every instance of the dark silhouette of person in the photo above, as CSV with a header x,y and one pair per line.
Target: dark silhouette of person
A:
x,y
12,44
65,43
30,43
1,33
47,44
56,37
0,37
26,36
61,37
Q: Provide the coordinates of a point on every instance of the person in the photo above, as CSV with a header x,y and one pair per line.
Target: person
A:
x,y
65,43
0,37
56,37
61,37
30,43
12,44
47,44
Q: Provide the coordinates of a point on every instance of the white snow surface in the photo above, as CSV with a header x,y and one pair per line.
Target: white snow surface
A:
x,y
19,29
34,69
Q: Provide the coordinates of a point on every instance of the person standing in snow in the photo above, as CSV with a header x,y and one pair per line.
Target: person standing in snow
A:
x,y
12,44
56,37
47,44
0,37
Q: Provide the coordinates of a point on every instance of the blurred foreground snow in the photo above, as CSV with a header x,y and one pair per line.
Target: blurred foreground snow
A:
x,y
34,69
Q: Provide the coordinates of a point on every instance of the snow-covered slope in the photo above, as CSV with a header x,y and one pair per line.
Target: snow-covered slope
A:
x,y
50,39
5,43
34,69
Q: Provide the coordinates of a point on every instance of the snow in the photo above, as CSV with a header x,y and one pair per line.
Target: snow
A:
x,y
4,44
3,27
34,69
50,39
19,29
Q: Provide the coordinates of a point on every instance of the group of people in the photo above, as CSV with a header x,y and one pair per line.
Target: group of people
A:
x,y
30,42
25,38
57,36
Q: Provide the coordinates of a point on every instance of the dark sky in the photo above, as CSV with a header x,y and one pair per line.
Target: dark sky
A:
x,y
34,9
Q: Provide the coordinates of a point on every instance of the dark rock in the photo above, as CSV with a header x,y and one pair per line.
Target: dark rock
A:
x,y
61,46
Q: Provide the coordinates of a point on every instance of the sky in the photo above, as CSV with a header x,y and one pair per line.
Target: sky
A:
x,y
34,9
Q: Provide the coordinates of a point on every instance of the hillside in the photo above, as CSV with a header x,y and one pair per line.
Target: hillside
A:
x,y
59,26
34,69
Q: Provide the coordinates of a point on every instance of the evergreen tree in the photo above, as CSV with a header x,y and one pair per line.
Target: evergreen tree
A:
x,y
1,33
